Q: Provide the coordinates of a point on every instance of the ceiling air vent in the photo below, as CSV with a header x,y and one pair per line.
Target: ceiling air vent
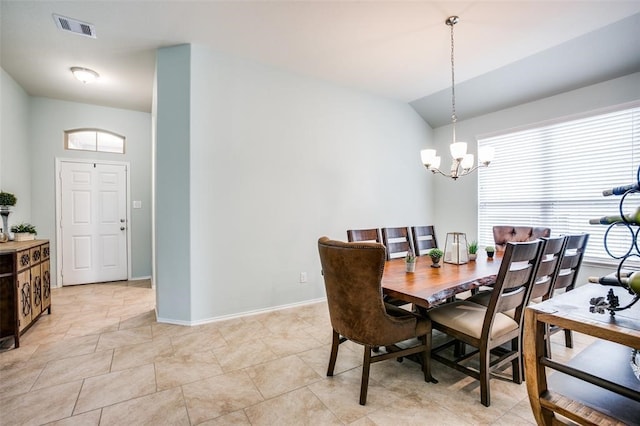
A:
x,y
75,26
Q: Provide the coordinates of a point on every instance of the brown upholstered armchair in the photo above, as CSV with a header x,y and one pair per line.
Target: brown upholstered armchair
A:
x,y
502,234
352,277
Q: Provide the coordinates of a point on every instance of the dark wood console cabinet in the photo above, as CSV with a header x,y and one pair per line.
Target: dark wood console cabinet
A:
x,y
25,286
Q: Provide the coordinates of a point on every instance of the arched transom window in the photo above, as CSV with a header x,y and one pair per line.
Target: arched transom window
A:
x,y
93,140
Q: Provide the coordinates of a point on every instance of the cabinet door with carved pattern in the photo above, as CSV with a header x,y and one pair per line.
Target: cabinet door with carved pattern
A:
x,y
24,299
36,291
46,284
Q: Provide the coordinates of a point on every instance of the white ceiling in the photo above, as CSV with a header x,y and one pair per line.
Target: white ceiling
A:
x,y
506,52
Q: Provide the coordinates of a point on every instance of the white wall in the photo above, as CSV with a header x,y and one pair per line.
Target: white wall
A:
x,y
48,120
457,201
278,160
172,274
15,155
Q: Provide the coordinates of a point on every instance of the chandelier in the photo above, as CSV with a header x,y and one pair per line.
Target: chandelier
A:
x,y
462,162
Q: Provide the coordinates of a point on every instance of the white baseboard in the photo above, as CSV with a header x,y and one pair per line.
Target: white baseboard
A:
x,y
239,315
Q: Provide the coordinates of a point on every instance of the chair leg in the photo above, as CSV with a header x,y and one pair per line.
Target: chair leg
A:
x,y
334,353
366,364
459,349
516,364
485,397
568,339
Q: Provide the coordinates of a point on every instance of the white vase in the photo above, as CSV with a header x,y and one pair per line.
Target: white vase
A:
x,y
410,266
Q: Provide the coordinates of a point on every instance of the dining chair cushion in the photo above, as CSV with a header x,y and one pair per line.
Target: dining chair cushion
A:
x,y
468,318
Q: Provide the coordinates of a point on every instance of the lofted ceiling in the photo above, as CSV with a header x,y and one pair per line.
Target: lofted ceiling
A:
x,y
507,53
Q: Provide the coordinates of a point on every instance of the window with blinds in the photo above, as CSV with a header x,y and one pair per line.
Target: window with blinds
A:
x,y
554,176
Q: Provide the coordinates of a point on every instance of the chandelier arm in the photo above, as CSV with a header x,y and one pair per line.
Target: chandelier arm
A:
x,y
434,171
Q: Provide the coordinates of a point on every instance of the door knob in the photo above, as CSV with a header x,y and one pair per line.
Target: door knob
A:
x,y
122,220
122,228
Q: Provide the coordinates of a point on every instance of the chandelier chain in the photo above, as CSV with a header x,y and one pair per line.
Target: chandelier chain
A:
x,y
453,81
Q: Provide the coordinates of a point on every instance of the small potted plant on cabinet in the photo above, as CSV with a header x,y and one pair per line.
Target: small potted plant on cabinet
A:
x,y
410,261
24,232
435,254
472,249
490,251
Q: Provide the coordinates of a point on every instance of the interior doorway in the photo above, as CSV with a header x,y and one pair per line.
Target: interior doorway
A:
x,y
92,219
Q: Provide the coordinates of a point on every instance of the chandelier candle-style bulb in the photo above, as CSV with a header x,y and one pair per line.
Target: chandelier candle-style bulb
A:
x,y
485,155
467,162
458,150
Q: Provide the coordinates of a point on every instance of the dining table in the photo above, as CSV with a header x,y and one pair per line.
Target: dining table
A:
x,y
427,286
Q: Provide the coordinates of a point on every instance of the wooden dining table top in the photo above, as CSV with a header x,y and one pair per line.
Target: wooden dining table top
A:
x,y
427,286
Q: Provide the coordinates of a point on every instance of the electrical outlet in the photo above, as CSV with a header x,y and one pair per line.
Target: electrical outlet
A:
x,y
303,277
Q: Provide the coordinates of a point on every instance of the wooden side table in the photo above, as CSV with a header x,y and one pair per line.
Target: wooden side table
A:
x,y
597,386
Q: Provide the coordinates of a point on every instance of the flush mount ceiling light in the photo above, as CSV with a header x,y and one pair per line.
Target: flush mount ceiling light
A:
x,y
85,75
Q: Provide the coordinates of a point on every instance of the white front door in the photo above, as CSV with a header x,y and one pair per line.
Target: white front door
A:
x,y
93,226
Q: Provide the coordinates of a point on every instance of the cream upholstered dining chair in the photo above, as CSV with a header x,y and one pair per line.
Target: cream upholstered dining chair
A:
x,y
352,278
548,268
488,328
502,234
566,278
424,239
397,240
546,272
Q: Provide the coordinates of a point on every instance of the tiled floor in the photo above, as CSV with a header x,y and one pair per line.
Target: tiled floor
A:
x,y
101,358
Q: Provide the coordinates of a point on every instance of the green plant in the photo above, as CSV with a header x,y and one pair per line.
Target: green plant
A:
x,y
7,199
490,249
411,257
435,253
24,227
472,248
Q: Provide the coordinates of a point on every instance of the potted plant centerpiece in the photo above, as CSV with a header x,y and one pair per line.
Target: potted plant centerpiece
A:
x,y
435,254
24,232
410,261
7,200
490,251
472,249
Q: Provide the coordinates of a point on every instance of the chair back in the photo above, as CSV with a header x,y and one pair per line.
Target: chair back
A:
x,y
502,234
352,278
513,282
424,239
397,241
548,267
370,235
571,261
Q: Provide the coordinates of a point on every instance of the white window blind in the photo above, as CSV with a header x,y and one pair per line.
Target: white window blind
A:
x,y
554,176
